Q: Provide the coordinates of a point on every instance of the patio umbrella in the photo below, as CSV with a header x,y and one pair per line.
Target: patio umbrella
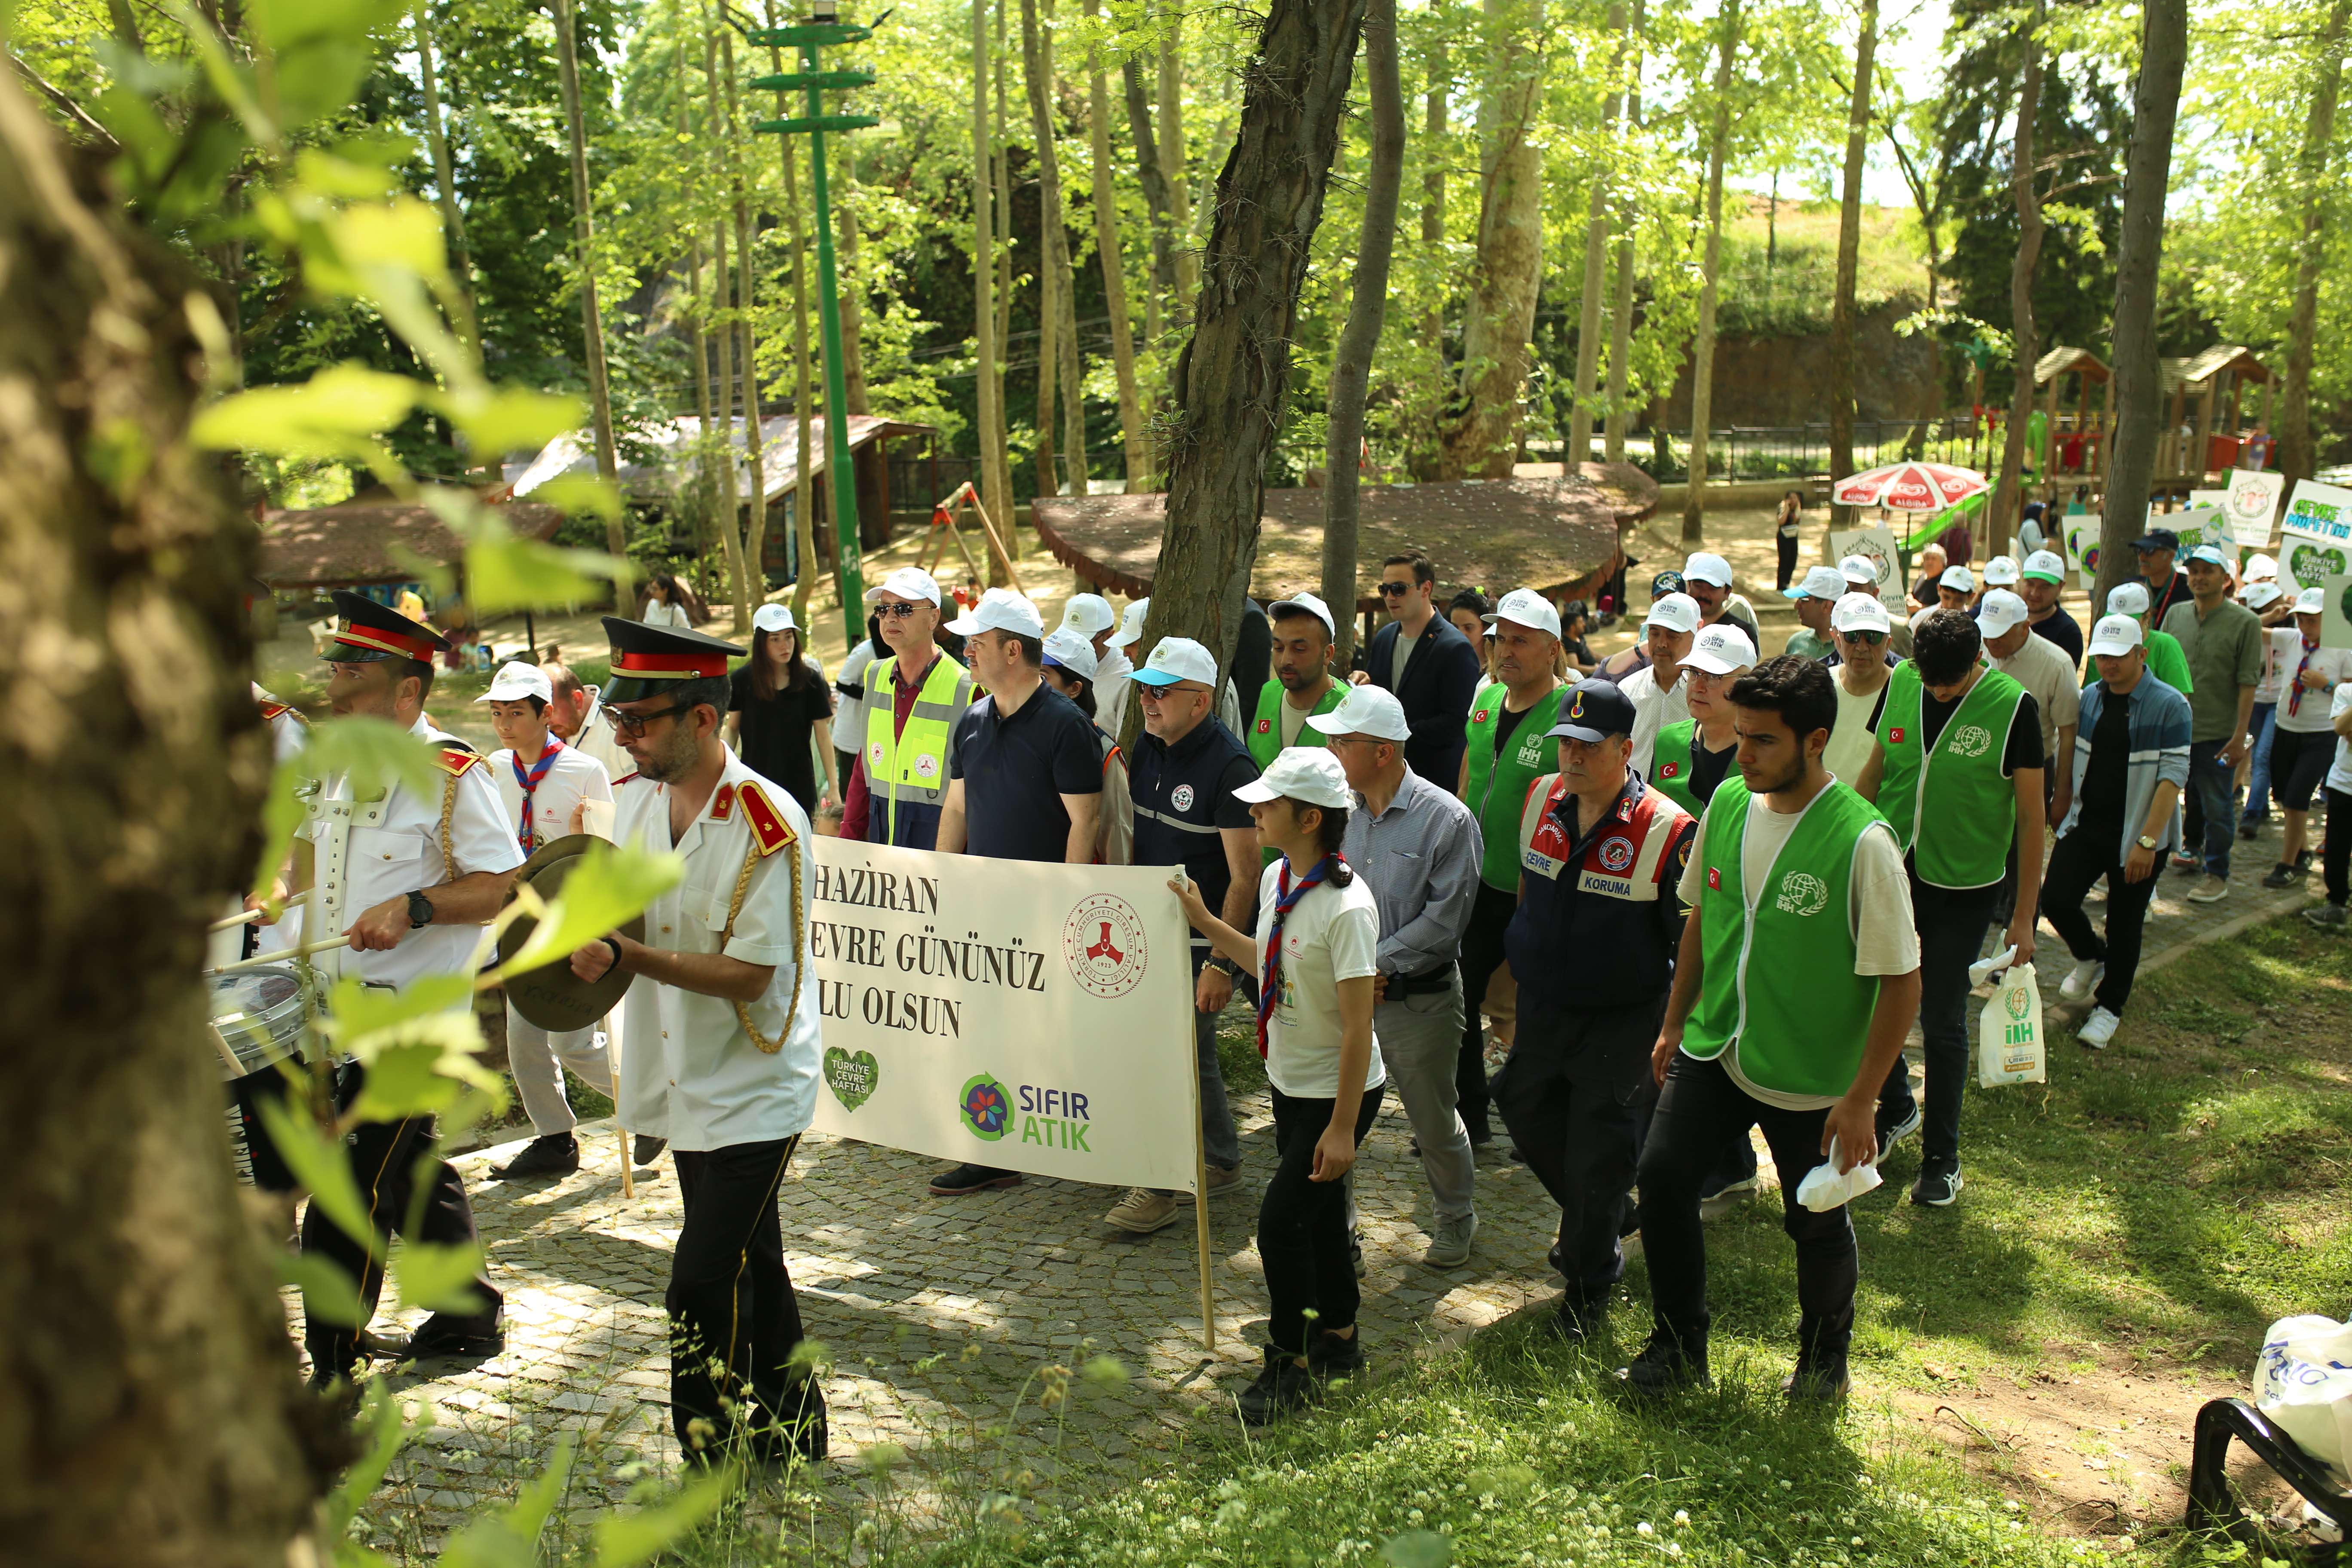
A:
x,y
1910,487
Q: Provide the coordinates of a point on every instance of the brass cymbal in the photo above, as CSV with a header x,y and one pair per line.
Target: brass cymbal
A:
x,y
551,996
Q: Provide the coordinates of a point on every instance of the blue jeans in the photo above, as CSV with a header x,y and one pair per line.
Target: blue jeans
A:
x,y
2258,783
1951,934
2212,809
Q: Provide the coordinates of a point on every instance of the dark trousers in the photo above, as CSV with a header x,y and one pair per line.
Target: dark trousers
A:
x,y
1574,1111
2210,816
1302,1225
1788,550
1482,954
733,1317
1699,1111
408,1189
1951,934
2079,860
2336,859
250,1145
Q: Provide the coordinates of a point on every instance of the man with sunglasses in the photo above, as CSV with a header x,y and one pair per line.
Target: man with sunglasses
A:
x,y
1426,662
913,698
1859,626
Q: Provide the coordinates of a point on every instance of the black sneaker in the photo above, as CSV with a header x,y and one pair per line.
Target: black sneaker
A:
x,y
1892,1130
2247,830
462,1339
1328,1356
557,1154
1664,1366
1937,1188
1827,1384
1579,1319
970,1178
647,1148
2283,875
1281,1387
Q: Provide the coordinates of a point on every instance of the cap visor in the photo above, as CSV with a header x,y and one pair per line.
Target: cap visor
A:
x,y
1149,676
1584,732
1256,790
963,625
1710,663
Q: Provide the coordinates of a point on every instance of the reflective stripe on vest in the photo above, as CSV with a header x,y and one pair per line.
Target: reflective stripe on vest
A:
x,y
1498,785
912,766
1636,875
1960,782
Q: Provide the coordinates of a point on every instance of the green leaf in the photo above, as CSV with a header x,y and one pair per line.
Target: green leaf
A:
x,y
578,494
608,887
508,1538
357,1014
373,754
328,1294
320,1165
512,418
406,1080
625,1540
1417,1549
438,1278
334,414
507,572
281,819
380,1423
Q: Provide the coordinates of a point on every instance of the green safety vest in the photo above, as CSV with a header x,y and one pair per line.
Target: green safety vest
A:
x,y
1498,785
1670,765
912,766
1265,730
1975,808
1778,973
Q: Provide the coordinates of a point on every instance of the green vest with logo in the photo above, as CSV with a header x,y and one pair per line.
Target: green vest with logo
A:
x,y
1778,972
910,767
1498,785
1670,765
1266,729
1958,784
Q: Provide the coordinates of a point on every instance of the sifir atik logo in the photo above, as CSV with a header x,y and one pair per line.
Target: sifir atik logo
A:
x,y
1049,1118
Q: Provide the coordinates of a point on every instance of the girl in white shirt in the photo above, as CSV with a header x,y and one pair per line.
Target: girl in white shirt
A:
x,y
1315,966
662,607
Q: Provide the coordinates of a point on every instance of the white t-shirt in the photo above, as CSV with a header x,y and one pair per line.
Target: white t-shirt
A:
x,y
660,614
1334,934
1848,752
572,777
2311,714
1653,710
1290,720
2339,775
1887,936
2282,645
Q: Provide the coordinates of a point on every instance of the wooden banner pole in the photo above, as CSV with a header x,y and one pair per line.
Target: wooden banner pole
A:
x,y
995,543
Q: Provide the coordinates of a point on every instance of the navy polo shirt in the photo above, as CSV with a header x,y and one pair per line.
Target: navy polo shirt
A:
x,y
1183,797
1015,769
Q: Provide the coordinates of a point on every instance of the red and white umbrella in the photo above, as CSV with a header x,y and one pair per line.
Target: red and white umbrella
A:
x,y
1910,487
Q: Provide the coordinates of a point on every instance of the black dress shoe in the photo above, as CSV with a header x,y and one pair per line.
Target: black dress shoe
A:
x,y
649,1148
557,1154
970,1178
461,1339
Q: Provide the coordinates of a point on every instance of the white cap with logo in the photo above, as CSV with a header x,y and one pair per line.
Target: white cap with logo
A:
x,y
2260,566
1130,624
1175,659
2002,571
1312,605
1088,613
2311,602
1527,608
772,619
2046,565
1861,571
2129,599
2263,593
515,681
1706,567
1721,650
1959,578
1309,773
2114,636
1000,610
908,582
1860,613
1822,582
1074,651
2000,613
1366,711
1676,612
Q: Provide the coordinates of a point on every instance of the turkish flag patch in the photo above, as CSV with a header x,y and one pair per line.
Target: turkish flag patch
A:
x,y
1894,736
1479,717
1715,878
1670,770
1265,726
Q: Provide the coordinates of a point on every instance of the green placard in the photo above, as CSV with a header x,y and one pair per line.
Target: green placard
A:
x,y
818,123
822,81
818,33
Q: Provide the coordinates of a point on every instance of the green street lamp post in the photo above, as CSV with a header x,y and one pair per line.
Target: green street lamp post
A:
x,y
822,28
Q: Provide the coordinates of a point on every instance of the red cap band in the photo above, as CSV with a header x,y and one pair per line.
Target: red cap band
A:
x,y
669,666
383,641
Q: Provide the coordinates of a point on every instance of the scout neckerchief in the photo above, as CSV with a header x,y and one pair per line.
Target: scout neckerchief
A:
x,y
2295,695
530,780
1285,898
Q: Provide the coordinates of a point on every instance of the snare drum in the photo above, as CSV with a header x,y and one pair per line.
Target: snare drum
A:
x,y
260,1016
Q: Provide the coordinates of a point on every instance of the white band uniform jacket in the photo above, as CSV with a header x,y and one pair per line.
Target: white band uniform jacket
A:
x,y
689,1072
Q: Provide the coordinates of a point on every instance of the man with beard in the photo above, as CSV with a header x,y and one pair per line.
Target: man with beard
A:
x,y
724,1049
575,716
1302,686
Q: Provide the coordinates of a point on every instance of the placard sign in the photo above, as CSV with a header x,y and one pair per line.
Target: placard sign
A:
x,y
2251,507
2316,535
2335,614
1035,1017
1876,545
2196,525
2083,548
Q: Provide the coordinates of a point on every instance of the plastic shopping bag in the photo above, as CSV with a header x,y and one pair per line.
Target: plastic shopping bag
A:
x,y
1823,1189
2008,1032
2302,1382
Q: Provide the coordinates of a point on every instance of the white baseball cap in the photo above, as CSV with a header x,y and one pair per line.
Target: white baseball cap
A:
x,y
1529,609
1721,650
2115,635
1823,583
1999,612
2311,602
1859,569
2260,567
908,582
1312,605
2211,555
1088,613
774,619
2046,565
1073,651
1366,711
2129,599
1309,773
1175,659
1000,610
1707,567
1131,625
515,681
1958,577
2002,571
1676,612
1860,613
2261,593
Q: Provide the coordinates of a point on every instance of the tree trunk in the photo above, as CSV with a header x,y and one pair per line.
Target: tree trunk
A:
x,y
150,1411
1432,193
2298,454
747,293
1703,344
2139,251
1620,311
592,320
1849,254
995,484
1037,69
1049,350
804,518
1596,260
1482,440
1151,177
2002,513
1114,272
453,219
852,290
1352,367
1177,160
1233,378
705,483
730,535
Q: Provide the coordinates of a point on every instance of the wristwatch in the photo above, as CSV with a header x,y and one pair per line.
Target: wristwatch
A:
x,y
2145,842
1231,970
420,911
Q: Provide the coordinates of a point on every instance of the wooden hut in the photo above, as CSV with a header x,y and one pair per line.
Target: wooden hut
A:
x,y
2077,438
2205,405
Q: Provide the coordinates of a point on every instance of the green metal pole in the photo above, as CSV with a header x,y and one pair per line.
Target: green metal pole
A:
x,y
837,382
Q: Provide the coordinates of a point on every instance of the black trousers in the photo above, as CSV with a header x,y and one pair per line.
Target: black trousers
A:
x,y
734,1319
1302,1226
1787,553
255,1151
408,1189
2079,860
2335,857
1699,1109
1571,1096
1482,954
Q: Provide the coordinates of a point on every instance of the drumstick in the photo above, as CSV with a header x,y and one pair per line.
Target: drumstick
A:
x,y
226,921
305,950
228,1058
629,1177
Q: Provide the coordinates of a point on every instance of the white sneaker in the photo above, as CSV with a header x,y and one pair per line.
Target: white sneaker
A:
x,y
2084,979
2097,1029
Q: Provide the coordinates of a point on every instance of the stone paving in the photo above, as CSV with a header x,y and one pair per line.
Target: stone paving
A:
x,y
939,1315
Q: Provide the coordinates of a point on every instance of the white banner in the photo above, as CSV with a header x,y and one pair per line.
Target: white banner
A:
x,y
1876,545
2335,612
2251,507
2316,535
2197,524
1037,1017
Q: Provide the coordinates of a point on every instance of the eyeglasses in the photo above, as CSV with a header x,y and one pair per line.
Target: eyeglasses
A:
x,y
635,723
898,611
1867,639
1391,590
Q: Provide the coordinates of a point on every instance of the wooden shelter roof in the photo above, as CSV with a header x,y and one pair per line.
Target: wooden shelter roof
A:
x,y
2202,368
1558,536
363,541
2059,360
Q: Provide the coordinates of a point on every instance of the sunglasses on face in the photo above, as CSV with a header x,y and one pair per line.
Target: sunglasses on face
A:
x,y
1867,639
1391,590
895,612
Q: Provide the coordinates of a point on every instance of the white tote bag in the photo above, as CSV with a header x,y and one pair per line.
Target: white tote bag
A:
x,y
2302,1382
2008,1032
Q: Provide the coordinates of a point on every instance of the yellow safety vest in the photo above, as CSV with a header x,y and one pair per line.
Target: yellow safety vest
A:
x,y
912,767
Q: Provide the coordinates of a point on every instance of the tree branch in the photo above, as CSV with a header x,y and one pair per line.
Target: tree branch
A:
x,y
65,104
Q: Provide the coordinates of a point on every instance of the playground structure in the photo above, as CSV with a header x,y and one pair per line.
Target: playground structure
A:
x,y
2206,429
